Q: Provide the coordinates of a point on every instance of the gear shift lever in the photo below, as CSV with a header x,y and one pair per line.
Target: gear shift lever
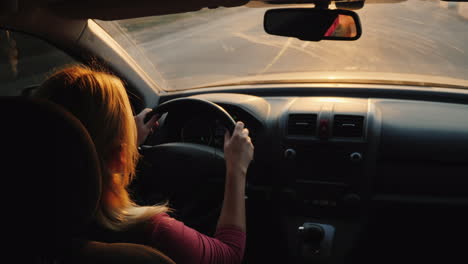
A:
x,y
311,235
315,242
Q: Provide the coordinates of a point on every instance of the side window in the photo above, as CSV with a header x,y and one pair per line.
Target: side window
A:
x,y
26,61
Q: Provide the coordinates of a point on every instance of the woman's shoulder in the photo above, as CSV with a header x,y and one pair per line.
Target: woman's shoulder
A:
x,y
163,222
162,218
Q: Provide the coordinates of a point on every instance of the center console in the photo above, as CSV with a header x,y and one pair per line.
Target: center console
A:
x,y
325,148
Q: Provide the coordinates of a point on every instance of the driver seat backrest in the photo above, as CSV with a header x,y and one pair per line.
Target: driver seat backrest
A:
x,y
53,186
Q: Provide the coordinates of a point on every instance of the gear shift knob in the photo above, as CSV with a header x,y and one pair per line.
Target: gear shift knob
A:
x,y
315,242
311,233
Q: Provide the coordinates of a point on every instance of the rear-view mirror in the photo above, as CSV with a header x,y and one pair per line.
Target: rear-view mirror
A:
x,y
313,24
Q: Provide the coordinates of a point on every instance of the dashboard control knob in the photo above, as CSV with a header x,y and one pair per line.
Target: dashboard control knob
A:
x,y
290,154
352,199
355,157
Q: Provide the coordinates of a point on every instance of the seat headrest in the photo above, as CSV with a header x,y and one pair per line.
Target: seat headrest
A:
x,y
54,166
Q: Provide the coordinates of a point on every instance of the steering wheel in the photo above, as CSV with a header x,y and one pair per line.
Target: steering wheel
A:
x,y
180,171
183,152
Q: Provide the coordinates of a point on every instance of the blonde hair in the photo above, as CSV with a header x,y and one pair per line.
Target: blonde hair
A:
x,y
99,100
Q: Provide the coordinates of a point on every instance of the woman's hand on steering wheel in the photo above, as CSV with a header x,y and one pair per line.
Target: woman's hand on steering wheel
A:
x,y
238,149
144,129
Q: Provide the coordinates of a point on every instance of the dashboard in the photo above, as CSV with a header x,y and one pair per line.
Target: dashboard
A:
x,y
385,139
340,163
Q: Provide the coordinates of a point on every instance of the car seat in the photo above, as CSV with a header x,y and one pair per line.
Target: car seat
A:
x,y
52,186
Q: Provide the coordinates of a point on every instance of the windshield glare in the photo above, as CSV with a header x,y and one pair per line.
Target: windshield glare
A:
x,y
418,38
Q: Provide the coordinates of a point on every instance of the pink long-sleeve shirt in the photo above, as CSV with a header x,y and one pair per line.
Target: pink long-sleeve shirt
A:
x,y
185,245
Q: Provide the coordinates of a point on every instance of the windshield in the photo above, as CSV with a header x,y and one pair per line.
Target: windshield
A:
x,y
416,40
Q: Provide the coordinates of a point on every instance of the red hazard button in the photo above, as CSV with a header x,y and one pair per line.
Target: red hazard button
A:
x,y
324,130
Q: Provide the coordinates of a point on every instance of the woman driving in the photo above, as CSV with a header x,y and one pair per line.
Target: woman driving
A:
x,y
99,100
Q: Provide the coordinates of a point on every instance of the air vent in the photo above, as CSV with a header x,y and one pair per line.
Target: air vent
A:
x,y
302,124
348,126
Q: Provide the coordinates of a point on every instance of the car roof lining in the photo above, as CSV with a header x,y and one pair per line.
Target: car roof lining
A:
x,y
109,9
124,9
41,22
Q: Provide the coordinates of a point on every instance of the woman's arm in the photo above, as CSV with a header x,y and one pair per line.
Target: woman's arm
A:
x,y
238,153
184,244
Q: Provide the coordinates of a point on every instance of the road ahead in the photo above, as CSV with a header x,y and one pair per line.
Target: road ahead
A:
x,y
416,37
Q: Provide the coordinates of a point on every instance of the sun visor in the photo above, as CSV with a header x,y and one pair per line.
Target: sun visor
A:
x,y
124,9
